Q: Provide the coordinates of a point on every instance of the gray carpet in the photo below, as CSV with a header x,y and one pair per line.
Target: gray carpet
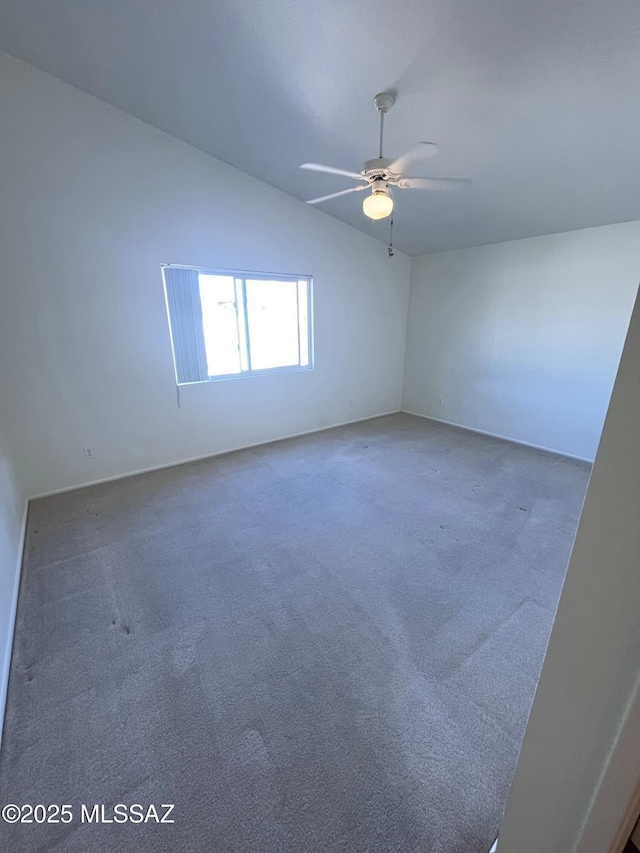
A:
x,y
326,644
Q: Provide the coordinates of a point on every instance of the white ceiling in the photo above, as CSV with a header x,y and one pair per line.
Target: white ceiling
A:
x,y
538,101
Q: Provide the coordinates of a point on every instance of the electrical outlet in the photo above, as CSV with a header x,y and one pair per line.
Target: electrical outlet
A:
x,y
440,400
88,453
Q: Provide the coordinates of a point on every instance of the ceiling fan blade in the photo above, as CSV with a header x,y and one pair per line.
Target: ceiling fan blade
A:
x,y
335,195
414,77
318,167
433,183
422,151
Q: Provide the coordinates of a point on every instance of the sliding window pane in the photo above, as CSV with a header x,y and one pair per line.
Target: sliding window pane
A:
x,y
272,319
220,322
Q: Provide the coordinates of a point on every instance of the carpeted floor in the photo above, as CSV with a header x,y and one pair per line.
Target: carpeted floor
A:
x,y
326,644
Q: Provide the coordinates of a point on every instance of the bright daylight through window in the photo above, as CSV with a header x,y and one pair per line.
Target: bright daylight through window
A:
x,y
229,324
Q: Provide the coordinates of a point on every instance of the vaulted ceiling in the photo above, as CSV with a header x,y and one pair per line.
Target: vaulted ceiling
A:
x,y
537,101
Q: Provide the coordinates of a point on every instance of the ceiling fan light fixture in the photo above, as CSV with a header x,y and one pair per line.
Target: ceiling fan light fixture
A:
x,y
379,204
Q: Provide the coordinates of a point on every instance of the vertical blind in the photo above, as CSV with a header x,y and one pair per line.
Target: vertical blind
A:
x,y
185,315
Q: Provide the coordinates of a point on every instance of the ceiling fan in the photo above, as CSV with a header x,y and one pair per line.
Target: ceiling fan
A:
x,y
382,173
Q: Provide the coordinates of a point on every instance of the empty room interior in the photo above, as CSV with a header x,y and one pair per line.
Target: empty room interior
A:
x,y
319,408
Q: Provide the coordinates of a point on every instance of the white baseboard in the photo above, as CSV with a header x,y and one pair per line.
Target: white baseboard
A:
x,y
502,437
209,455
6,663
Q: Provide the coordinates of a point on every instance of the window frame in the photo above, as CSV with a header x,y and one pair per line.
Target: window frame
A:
x,y
243,275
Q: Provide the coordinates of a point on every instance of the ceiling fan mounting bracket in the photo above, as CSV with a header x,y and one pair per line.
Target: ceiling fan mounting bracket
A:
x,y
384,101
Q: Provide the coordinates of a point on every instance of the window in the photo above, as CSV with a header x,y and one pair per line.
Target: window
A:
x,y
226,324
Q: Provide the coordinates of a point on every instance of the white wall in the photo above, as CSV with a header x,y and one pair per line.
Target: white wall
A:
x,y
523,339
12,506
92,202
570,790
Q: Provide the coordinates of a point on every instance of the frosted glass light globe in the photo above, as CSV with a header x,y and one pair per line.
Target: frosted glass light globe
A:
x,y
378,205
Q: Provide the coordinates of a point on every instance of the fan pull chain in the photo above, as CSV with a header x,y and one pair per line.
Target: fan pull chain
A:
x,y
390,251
